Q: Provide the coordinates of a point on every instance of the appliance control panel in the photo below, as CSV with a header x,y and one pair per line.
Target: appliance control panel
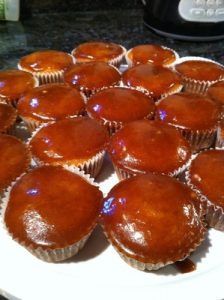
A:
x,y
202,10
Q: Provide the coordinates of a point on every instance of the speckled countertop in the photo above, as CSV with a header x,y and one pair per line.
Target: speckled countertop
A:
x,y
63,31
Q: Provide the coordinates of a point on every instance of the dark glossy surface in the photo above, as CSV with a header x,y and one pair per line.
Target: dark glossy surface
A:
x,y
120,104
14,159
189,111
151,54
40,215
13,83
216,92
200,70
8,116
155,79
185,266
97,51
152,218
144,145
207,173
51,102
69,140
46,61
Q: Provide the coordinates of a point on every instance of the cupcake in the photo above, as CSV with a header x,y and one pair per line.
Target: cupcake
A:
x,y
198,73
216,93
148,146
14,160
194,115
152,220
206,175
78,142
156,80
13,83
8,117
52,223
92,76
116,106
47,66
149,53
99,51
50,102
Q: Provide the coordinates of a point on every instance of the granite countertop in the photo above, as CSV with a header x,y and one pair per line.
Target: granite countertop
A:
x,y
63,31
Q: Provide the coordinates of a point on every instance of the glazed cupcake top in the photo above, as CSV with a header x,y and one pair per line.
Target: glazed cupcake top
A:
x,y
40,215
13,83
46,61
120,104
200,70
92,75
14,159
206,173
69,140
149,146
8,116
153,218
97,51
188,111
155,79
216,92
51,102
155,54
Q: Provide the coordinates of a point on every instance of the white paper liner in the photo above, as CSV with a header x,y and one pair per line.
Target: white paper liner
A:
x,y
49,255
196,86
214,214
130,62
220,136
91,166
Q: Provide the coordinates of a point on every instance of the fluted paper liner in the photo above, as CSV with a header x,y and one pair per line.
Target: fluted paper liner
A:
x,y
196,86
49,255
220,136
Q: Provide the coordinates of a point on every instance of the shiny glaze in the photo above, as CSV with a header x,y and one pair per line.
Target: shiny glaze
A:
x,y
189,111
13,83
69,140
143,146
14,159
152,218
216,92
97,51
155,79
51,102
46,61
120,104
8,116
52,208
185,266
155,54
92,75
200,70
207,173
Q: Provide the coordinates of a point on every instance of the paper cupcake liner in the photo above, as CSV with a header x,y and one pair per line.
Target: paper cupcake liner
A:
x,y
130,62
192,85
220,136
49,255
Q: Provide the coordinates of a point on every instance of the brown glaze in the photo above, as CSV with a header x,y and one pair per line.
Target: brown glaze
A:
x,y
188,111
207,173
97,51
120,104
13,83
51,102
143,146
200,70
46,61
155,79
155,54
216,92
52,208
8,116
14,159
69,140
185,266
92,75
153,218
